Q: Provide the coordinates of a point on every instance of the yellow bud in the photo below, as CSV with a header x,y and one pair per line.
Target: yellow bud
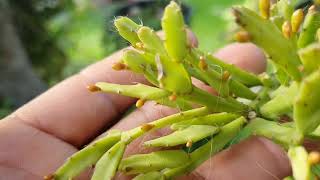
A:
x,y
139,45
119,66
242,36
296,20
202,64
314,157
264,7
301,68
93,88
286,29
140,103
225,75
189,144
312,8
173,97
48,177
147,127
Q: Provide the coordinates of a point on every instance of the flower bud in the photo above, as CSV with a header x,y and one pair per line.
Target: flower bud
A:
x,y
93,88
314,157
286,29
48,177
242,36
225,75
140,103
147,127
189,143
264,7
203,65
118,66
173,97
296,20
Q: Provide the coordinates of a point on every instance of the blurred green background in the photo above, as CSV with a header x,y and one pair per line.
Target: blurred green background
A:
x,y
45,41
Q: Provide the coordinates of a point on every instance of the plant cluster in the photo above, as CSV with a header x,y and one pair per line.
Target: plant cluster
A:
x,y
284,106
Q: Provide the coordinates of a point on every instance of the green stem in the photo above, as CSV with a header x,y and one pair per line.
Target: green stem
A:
x,y
280,104
242,76
214,79
154,161
191,134
241,90
309,57
86,157
216,144
307,102
217,119
138,90
263,97
108,164
160,123
283,135
153,175
215,103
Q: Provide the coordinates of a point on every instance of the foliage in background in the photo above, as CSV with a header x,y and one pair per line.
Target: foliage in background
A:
x,y
85,32
210,21
30,21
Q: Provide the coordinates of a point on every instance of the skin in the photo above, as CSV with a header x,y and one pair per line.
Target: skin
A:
x,y
37,138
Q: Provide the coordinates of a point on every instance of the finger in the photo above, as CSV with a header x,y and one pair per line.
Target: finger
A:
x,y
28,153
150,111
255,158
71,113
244,55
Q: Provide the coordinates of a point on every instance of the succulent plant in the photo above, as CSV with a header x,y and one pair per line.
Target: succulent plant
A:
x,y
207,123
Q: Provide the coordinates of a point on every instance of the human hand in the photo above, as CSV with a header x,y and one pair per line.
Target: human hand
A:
x,y
37,138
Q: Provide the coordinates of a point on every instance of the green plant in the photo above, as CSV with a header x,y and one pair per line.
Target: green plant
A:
x,y
288,89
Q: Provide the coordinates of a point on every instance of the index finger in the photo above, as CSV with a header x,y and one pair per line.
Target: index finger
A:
x,y
70,112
